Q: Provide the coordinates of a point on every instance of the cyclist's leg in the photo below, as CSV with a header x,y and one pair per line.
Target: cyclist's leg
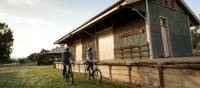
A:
x,y
64,69
88,66
70,66
91,66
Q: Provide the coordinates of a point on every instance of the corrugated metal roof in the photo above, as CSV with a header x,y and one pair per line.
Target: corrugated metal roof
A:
x,y
57,50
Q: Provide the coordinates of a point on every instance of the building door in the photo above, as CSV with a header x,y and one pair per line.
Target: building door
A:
x,y
106,44
78,50
165,36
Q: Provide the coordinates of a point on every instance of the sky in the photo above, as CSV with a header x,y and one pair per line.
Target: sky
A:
x,y
37,24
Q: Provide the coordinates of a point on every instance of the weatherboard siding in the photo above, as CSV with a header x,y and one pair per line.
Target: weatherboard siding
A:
x,y
178,29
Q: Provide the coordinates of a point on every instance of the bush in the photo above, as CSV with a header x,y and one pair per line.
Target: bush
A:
x,y
21,61
44,61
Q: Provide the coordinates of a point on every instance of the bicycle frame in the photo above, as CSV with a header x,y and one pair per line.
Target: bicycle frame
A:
x,y
67,68
94,72
69,74
95,66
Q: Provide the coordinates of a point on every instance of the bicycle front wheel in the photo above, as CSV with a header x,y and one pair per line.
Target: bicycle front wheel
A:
x,y
69,78
97,75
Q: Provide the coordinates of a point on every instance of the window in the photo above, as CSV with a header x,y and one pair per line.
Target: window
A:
x,y
163,22
170,4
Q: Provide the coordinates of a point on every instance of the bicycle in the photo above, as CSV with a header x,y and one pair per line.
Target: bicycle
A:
x,y
69,75
95,73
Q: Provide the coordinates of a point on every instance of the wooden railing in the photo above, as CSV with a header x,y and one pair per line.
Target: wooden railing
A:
x,y
132,52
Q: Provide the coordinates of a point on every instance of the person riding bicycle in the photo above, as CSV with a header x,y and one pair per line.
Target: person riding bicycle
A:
x,y
89,59
66,60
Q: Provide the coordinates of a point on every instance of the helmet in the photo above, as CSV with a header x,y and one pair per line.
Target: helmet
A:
x,y
67,48
88,49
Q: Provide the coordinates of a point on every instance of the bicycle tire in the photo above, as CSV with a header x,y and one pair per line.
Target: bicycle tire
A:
x,y
69,78
97,75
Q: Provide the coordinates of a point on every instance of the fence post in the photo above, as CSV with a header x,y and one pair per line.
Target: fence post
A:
x,y
122,53
79,68
129,73
110,71
161,78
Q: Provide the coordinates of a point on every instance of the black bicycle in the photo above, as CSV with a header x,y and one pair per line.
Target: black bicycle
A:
x,y
69,75
94,72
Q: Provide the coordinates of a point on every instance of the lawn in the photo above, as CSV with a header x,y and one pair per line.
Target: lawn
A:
x,y
44,77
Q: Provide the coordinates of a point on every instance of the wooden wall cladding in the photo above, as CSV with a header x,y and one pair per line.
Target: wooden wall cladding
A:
x,y
132,52
128,29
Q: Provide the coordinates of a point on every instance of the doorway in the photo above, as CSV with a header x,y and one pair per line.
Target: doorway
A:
x,y
106,44
165,36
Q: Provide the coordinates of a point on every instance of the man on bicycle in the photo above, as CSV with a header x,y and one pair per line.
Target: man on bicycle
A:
x,y
89,59
66,60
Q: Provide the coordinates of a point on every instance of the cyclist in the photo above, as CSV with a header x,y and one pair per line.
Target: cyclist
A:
x,y
89,59
66,60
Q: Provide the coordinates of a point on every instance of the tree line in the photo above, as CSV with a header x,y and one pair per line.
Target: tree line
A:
x,y
196,37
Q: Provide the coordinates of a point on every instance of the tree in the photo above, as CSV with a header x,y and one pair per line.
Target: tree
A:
x,y
195,36
33,57
6,42
44,51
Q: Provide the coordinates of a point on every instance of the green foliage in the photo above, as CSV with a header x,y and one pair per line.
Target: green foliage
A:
x,y
44,51
45,60
33,57
42,58
21,61
195,36
6,42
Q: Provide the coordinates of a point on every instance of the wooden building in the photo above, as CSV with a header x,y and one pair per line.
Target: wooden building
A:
x,y
133,38
135,29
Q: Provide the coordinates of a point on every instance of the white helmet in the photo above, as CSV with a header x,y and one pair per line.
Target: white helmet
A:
x,y
88,49
67,48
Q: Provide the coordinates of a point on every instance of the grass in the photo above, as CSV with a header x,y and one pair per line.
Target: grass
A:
x,y
44,77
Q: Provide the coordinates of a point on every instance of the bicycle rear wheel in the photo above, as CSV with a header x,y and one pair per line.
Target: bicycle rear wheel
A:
x,y
97,75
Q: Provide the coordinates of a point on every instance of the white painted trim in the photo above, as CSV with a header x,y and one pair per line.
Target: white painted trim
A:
x,y
148,30
93,21
168,35
100,17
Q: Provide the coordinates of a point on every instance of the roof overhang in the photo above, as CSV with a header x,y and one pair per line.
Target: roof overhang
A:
x,y
115,7
190,12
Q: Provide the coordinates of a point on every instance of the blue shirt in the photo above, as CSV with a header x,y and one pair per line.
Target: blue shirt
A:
x,y
66,57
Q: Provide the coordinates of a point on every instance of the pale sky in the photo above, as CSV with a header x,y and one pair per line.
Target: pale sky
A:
x,y
38,24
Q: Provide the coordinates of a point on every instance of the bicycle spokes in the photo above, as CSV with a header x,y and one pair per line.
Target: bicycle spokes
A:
x,y
97,75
